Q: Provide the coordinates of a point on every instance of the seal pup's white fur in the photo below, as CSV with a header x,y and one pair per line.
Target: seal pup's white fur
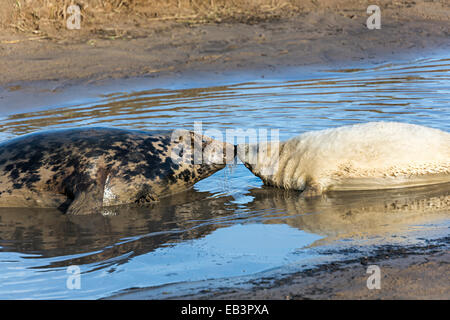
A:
x,y
374,155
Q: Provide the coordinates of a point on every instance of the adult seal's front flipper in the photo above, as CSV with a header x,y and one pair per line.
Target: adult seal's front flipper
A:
x,y
88,201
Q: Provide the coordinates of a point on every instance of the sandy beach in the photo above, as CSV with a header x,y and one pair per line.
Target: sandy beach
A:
x,y
286,34
317,32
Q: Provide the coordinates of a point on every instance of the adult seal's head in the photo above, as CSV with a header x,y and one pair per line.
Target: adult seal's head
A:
x,y
84,170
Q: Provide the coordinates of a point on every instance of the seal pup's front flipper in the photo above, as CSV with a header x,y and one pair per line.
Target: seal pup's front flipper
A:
x,y
312,190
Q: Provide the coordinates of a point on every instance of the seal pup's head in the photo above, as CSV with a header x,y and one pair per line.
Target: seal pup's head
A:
x,y
262,159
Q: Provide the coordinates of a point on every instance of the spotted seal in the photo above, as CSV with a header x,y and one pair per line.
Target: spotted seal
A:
x,y
82,170
366,156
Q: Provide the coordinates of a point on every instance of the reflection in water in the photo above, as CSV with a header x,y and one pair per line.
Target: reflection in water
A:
x,y
191,215
51,234
227,226
356,214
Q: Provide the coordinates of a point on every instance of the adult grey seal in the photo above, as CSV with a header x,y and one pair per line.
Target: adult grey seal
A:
x,y
82,170
367,156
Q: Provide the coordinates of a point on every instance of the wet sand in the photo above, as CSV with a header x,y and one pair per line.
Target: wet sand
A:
x,y
417,274
405,274
324,32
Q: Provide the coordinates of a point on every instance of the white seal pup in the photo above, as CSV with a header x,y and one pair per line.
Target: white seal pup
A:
x,y
369,156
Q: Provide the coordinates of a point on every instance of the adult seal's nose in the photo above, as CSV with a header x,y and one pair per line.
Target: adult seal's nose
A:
x,y
243,152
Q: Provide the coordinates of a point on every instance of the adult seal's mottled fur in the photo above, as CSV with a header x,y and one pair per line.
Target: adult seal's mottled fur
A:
x,y
81,171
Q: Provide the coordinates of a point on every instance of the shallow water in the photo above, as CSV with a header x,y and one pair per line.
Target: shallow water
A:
x,y
229,226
